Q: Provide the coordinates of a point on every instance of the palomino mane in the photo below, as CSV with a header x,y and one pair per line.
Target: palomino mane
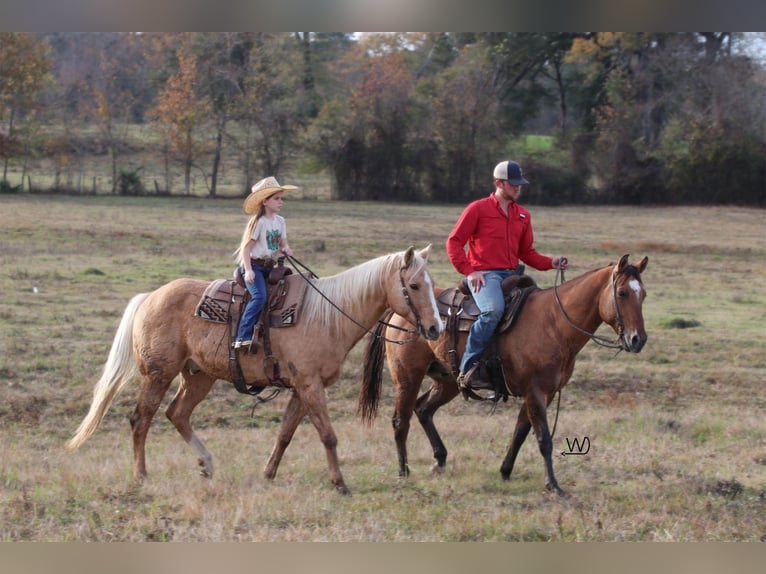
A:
x,y
353,290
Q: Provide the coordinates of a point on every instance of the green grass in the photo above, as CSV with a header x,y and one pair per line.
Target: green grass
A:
x,y
677,432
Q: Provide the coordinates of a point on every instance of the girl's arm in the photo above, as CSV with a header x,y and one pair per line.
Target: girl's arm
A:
x,y
249,273
285,247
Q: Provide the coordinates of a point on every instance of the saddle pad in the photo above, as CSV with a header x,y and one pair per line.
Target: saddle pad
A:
x,y
215,303
217,300
452,300
288,300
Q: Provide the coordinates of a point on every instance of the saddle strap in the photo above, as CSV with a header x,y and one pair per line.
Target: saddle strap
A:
x,y
452,327
270,363
235,371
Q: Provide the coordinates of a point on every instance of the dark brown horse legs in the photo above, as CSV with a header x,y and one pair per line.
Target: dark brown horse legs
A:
x,y
519,436
401,425
544,441
427,405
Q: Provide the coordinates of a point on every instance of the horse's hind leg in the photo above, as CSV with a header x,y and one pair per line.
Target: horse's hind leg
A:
x,y
192,390
443,391
154,385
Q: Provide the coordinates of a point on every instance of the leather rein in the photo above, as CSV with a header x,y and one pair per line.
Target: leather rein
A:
x,y
406,294
603,341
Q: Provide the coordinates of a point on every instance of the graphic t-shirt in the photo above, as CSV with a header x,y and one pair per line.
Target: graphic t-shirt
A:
x,y
268,234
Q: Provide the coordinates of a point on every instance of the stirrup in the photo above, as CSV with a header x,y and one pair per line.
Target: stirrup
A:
x,y
238,344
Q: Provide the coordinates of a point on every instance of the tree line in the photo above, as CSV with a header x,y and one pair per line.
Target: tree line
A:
x,y
593,117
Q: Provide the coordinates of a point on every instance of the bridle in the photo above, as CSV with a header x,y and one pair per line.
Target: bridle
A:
x,y
603,341
405,293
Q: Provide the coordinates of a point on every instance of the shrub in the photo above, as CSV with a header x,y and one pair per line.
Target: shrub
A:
x,y
129,183
6,187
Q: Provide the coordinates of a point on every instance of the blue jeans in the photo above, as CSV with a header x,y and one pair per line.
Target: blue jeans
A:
x,y
254,307
491,303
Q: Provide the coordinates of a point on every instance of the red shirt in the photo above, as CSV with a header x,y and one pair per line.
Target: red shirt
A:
x,y
495,240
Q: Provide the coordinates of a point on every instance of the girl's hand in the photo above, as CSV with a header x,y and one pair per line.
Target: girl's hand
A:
x,y
249,276
287,251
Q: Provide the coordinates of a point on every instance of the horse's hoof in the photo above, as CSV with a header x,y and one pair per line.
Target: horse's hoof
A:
x,y
437,468
204,472
558,490
343,489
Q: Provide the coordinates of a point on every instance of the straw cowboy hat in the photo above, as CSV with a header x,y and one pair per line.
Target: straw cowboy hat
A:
x,y
261,191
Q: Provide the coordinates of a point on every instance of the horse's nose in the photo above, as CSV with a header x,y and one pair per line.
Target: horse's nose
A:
x,y
636,343
432,333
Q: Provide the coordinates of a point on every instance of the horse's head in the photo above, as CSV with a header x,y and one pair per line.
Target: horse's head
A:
x,y
621,306
413,294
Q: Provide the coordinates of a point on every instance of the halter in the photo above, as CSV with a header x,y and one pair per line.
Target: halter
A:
x,y
604,342
406,294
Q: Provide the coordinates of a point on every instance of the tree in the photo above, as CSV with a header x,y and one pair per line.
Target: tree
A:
x,y
181,115
24,71
108,95
465,124
268,108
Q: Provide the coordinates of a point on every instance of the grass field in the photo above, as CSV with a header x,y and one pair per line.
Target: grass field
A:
x,y
677,433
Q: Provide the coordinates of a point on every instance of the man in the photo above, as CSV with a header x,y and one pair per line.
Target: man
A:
x,y
498,232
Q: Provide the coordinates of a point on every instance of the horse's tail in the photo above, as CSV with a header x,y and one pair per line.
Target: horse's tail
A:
x,y
119,369
372,375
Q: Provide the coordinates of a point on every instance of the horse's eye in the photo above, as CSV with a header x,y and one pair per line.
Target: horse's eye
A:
x,y
414,286
622,293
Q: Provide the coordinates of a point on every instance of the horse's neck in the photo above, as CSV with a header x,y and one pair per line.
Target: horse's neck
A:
x,y
353,301
581,297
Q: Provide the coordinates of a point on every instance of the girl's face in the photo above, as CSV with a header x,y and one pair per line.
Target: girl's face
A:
x,y
274,203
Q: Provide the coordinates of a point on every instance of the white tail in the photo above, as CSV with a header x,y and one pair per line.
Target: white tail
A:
x,y
120,368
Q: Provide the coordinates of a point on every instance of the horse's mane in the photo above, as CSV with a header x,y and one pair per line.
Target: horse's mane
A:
x,y
351,290
630,270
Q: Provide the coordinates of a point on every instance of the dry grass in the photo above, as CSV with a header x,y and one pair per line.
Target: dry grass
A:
x,y
678,434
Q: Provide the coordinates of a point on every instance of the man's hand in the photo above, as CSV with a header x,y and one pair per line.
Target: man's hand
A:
x,y
476,280
560,262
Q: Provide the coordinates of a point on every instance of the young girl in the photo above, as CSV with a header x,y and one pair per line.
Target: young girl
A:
x,y
264,235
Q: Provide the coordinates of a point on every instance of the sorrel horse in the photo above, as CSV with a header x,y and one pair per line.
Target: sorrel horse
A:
x,y
537,356
159,337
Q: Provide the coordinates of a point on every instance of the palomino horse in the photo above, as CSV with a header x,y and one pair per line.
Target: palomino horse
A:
x,y
537,356
159,337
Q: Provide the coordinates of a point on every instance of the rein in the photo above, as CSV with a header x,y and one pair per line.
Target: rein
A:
x,y
368,330
603,341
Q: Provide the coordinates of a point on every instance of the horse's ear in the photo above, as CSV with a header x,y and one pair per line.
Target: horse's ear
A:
x,y
623,262
425,252
409,255
642,265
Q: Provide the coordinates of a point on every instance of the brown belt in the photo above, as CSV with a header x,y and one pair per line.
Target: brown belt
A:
x,y
263,262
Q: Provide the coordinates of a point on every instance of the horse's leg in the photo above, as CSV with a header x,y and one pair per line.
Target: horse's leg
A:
x,y
154,385
315,401
294,413
538,406
519,436
406,385
192,390
443,391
